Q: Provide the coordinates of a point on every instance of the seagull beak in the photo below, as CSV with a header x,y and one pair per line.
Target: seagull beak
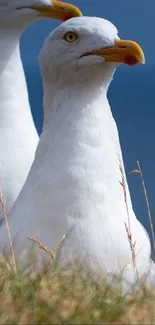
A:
x,y
57,10
128,52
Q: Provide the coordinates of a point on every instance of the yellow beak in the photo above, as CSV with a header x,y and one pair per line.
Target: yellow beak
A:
x,y
57,10
128,52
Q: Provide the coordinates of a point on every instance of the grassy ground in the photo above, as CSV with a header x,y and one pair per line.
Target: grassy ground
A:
x,y
61,297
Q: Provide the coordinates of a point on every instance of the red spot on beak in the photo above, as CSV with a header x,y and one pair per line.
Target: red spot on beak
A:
x,y
130,59
66,18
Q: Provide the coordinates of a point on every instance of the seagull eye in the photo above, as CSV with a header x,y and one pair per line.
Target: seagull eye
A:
x,y
70,37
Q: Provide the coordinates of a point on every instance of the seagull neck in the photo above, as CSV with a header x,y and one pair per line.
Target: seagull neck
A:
x,y
71,99
9,43
80,133
74,103
13,89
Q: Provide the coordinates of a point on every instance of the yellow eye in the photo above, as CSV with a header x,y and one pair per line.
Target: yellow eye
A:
x,y
70,37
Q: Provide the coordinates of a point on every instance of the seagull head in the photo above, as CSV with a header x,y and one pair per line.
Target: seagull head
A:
x,y
24,12
85,48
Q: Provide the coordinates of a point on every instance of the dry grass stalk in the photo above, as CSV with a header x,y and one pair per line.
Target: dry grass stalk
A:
x,y
128,227
3,205
139,171
51,253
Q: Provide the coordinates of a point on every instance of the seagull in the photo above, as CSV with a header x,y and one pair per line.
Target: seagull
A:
x,y
18,135
74,186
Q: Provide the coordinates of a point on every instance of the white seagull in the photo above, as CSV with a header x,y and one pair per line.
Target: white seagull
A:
x,y
18,135
74,184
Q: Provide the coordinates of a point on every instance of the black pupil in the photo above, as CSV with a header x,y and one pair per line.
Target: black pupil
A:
x,y
71,36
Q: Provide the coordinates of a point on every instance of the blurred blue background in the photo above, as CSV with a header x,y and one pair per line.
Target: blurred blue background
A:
x,y
132,92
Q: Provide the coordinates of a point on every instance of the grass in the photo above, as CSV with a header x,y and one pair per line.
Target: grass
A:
x,y
56,296
60,297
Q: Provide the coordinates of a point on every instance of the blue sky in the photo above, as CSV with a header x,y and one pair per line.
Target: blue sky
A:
x,y
132,92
